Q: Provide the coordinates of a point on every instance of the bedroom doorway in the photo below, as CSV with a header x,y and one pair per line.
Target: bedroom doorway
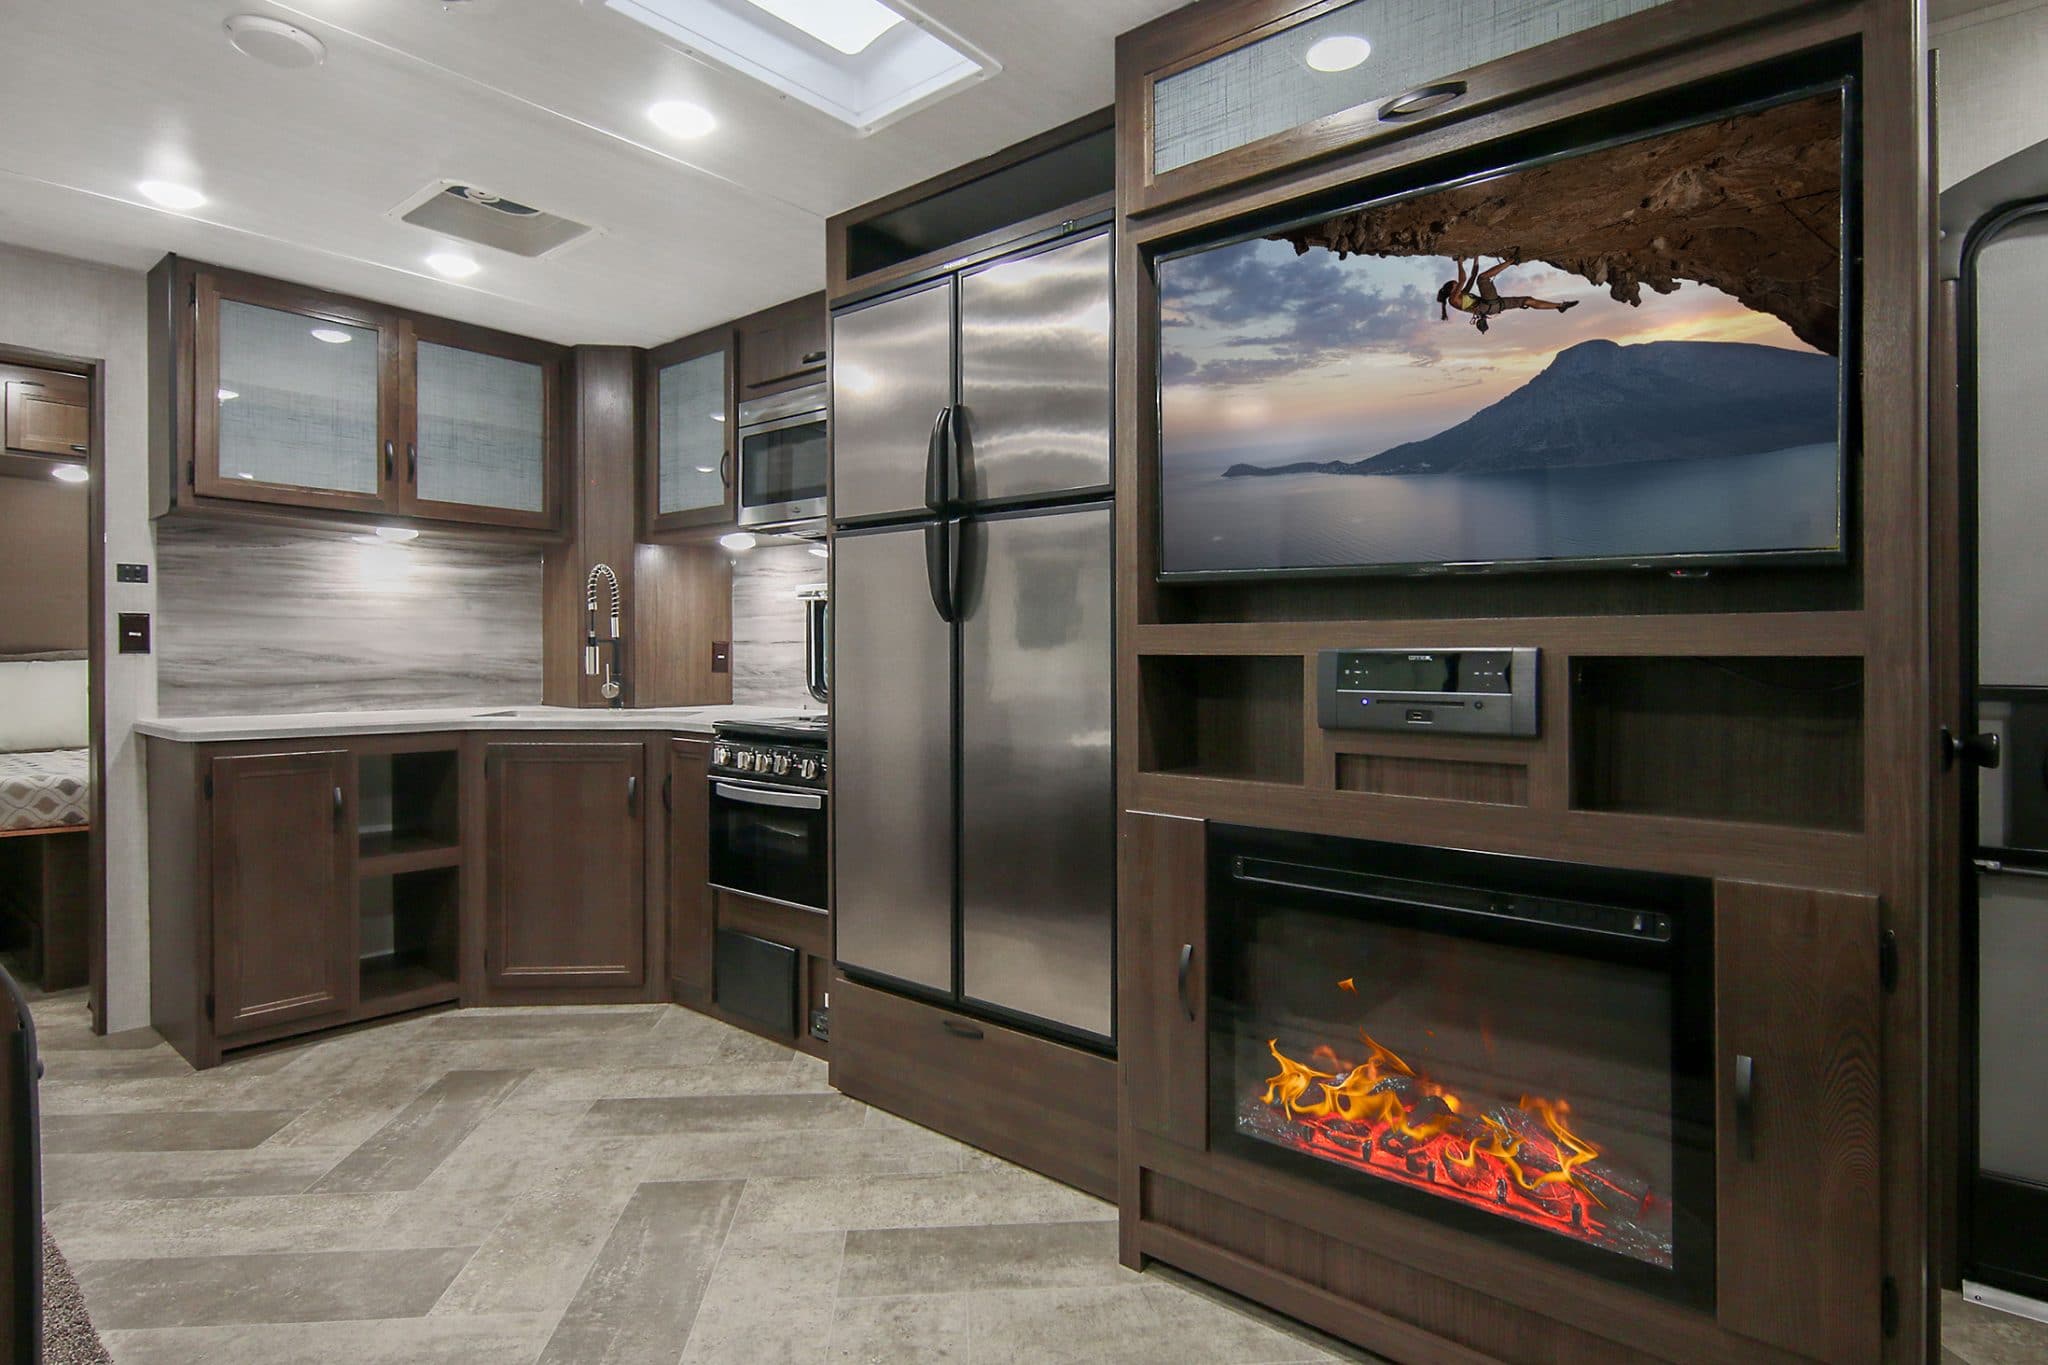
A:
x,y
52,856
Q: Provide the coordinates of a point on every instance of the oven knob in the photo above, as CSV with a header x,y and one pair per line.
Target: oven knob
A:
x,y
781,764
720,755
744,760
807,769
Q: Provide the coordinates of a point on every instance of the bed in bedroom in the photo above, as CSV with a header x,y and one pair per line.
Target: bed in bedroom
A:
x,y
45,816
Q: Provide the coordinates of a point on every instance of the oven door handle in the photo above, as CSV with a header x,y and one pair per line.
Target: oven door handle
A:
x,y
766,796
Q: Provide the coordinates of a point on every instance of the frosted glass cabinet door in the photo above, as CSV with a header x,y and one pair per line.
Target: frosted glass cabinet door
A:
x,y
481,442
690,466
291,404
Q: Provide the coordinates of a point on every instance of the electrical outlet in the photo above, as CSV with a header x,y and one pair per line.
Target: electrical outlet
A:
x,y
721,656
821,1025
131,573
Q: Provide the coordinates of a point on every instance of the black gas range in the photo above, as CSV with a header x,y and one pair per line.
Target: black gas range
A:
x,y
783,751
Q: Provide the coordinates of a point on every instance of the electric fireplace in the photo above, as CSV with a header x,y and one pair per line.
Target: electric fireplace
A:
x,y
1515,1048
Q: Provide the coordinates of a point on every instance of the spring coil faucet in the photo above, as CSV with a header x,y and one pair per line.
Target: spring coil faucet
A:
x,y
612,690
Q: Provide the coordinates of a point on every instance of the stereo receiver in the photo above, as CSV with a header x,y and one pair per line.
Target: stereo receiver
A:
x,y
1457,691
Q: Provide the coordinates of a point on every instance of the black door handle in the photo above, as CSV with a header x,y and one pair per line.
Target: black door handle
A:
x,y
340,805
960,1029
668,783
1187,965
412,462
941,555
936,490
632,790
1421,100
1745,1107
814,358
1980,750
390,451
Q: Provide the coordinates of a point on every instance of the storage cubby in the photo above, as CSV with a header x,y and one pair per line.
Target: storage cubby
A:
x,y
1766,740
407,943
408,809
1231,716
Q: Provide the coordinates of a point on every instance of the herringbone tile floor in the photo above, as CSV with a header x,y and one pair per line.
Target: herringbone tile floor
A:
x,y
630,1186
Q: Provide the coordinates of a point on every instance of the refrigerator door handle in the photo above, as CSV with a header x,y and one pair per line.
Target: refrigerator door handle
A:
x,y
941,561
937,462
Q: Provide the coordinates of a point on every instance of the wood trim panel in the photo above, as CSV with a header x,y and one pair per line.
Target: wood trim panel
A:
x,y
1434,779
1041,1104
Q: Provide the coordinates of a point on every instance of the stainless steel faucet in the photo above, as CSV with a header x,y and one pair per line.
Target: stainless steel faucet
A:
x,y
613,689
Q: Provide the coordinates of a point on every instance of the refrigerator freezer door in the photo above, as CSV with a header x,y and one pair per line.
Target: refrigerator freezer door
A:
x,y
1035,374
892,376
1038,822
892,762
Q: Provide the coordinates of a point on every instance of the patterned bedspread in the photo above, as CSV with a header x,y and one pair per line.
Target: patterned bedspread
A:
x,y
45,790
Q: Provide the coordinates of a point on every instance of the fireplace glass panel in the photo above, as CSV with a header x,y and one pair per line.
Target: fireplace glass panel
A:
x,y
1514,1048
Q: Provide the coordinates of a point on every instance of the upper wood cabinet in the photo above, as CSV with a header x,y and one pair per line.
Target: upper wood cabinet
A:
x,y
688,412
47,413
271,394
782,347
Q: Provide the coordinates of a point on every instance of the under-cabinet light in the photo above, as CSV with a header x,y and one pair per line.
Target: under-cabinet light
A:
x,y
70,473
398,535
739,540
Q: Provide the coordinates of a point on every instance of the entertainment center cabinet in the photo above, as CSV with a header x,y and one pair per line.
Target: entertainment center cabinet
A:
x,y
1763,734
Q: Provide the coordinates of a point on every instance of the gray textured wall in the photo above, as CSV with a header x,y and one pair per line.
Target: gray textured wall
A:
x,y
264,620
768,624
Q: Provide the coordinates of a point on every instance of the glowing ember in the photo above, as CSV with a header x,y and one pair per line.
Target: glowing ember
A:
x,y
1524,1162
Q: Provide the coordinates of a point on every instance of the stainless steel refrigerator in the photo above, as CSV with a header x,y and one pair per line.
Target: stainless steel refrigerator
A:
x,y
973,788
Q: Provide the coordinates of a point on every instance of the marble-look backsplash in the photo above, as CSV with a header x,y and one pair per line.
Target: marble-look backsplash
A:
x,y
274,619
768,624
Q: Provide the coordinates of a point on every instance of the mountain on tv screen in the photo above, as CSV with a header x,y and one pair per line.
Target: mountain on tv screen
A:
x,y
1630,355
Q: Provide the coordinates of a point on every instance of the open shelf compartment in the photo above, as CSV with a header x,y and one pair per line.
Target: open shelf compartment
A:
x,y
1227,716
1763,740
409,811
407,944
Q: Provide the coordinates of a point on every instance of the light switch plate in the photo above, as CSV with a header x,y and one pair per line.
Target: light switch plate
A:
x,y
131,573
721,656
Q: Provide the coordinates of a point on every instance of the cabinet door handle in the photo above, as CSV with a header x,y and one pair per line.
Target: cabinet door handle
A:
x,y
340,804
814,357
1423,99
960,1029
390,454
1745,1107
632,790
668,783
412,462
1186,975
725,470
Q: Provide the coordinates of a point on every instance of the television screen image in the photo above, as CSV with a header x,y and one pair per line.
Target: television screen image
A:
x,y
1624,356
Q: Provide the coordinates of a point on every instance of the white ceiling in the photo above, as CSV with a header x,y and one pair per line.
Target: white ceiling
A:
x,y
542,101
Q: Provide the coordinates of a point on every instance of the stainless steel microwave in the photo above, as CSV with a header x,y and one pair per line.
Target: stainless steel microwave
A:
x,y
782,459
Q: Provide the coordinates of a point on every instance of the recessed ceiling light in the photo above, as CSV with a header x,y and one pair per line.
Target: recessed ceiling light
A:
x,y
1338,52
453,265
226,395
849,25
333,336
397,534
739,540
274,42
681,118
70,473
170,195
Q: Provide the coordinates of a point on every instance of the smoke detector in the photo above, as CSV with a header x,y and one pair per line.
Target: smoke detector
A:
x,y
274,42
471,213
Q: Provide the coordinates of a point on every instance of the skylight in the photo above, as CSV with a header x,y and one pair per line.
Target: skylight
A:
x,y
863,62
849,25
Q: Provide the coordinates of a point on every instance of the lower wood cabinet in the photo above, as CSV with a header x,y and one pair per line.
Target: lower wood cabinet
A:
x,y
686,794
283,855
1162,977
565,875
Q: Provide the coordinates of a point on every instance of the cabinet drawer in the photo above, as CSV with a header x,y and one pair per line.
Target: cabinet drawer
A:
x,y
1041,1104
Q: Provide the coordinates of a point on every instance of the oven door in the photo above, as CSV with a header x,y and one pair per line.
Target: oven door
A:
x,y
782,470
769,842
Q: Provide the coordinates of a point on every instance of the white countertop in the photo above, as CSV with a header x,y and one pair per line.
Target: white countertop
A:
x,y
695,720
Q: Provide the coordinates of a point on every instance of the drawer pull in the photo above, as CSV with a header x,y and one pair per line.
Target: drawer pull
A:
x,y
960,1029
1423,99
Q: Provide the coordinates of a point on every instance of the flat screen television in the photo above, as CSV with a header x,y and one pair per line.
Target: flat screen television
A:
x,y
1627,354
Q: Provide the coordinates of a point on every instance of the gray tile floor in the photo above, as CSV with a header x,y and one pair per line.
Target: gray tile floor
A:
x,y
574,1187
596,1187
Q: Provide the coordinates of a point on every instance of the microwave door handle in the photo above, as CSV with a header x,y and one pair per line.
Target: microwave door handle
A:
x,y
757,796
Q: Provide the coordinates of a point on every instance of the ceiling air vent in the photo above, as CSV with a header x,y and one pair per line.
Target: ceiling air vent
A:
x,y
475,214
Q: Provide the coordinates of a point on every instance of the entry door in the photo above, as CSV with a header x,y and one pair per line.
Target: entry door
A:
x,y
2006,928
